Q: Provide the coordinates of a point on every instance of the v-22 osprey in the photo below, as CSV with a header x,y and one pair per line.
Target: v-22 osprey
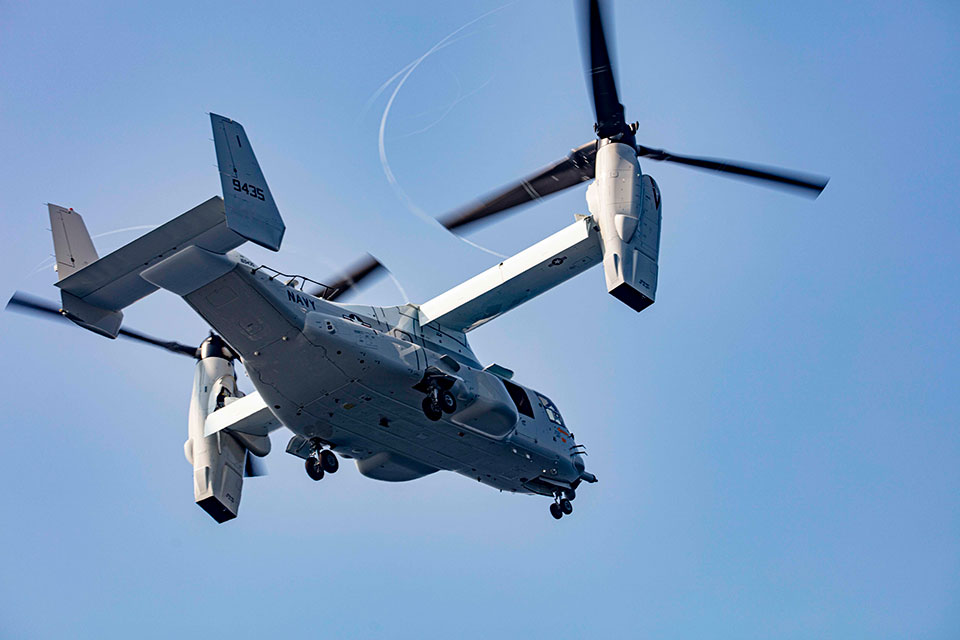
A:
x,y
396,389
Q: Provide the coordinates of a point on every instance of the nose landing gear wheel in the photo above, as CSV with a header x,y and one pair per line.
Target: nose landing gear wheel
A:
x,y
431,408
566,506
447,402
329,461
555,511
314,470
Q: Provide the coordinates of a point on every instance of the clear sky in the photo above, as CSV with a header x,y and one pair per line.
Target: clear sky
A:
x,y
777,439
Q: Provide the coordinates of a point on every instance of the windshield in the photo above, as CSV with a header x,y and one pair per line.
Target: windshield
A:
x,y
552,412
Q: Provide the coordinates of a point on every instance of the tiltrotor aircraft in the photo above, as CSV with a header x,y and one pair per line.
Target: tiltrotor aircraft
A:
x,y
396,389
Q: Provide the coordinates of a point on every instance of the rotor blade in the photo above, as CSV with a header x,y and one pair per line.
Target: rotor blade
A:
x,y
808,184
27,304
606,102
169,345
577,167
254,467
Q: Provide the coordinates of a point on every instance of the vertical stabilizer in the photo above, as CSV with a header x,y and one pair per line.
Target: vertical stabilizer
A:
x,y
71,242
250,209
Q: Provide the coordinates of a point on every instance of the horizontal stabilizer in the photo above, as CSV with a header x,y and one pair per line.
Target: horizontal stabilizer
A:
x,y
250,208
93,296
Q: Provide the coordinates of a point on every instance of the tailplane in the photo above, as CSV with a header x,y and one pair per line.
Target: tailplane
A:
x,y
94,290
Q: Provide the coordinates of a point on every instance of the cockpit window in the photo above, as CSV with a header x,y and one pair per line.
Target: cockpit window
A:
x,y
552,413
519,397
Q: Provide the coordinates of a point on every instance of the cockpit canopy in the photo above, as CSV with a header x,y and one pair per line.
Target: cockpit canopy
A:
x,y
521,398
553,414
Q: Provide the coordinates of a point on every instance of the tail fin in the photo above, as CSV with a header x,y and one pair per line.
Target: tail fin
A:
x,y
71,242
250,209
94,290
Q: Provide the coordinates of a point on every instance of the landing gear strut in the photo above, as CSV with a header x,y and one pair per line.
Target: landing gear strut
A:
x,y
438,402
436,385
562,505
321,461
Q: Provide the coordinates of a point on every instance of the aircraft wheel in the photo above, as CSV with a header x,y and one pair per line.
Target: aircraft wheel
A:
x,y
329,461
555,510
447,402
314,470
431,408
566,506
569,494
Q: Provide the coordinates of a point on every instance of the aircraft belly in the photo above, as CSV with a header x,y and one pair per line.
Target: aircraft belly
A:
x,y
364,424
372,423
380,414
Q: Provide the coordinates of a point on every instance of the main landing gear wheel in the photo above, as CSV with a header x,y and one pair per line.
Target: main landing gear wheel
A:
x,y
447,402
562,505
328,461
431,408
314,470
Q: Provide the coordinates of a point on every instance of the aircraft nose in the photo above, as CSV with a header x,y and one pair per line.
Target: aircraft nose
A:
x,y
578,463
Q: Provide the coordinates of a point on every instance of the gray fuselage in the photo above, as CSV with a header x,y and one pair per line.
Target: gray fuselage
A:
x,y
346,375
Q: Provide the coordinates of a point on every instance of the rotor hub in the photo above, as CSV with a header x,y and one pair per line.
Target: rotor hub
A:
x,y
215,347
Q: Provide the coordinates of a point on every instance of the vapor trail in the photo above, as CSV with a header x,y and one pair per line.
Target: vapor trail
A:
x,y
460,98
396,281
383,87
403,74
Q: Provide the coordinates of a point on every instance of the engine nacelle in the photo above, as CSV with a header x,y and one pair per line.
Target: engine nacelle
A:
x,y
626,205
218,460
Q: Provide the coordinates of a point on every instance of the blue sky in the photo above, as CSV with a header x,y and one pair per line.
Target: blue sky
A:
x,y
776,439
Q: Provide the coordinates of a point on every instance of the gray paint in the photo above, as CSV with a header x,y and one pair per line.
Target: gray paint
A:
x,y
349,376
